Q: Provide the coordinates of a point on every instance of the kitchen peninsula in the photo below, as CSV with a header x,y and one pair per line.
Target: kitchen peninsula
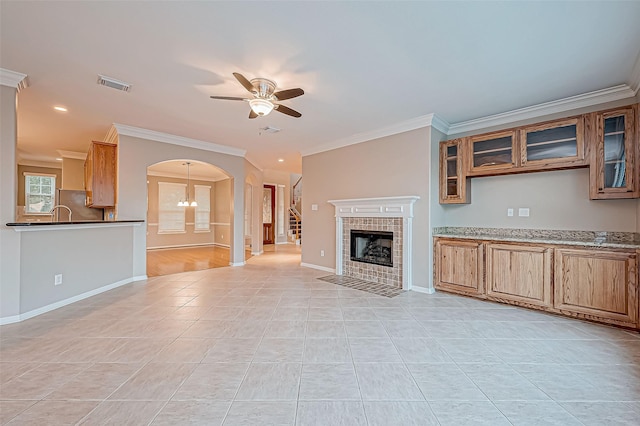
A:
x,y
63,262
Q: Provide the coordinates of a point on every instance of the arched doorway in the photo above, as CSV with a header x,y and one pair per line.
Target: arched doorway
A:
x,y
187,237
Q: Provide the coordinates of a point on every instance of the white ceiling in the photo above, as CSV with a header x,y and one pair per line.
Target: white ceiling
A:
x,y
363,65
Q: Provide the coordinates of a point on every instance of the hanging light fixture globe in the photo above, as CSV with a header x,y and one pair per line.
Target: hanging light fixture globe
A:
x,y
261,106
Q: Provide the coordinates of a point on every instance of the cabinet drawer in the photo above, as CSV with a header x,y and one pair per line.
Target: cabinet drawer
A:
x,y
459,266
519,273
600,284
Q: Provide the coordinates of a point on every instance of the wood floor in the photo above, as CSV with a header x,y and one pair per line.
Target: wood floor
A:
x,y
171,261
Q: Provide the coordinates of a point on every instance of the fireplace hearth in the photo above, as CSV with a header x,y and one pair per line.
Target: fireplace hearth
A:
x,y
374,247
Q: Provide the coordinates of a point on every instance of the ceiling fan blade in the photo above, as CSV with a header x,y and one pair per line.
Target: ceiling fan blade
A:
x,y
286,110
252,114
246,83
228,98
288,94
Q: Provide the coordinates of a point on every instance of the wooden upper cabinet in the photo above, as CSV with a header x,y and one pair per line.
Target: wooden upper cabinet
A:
x,y
598,284
614,169
453,179
492,153
459,266
100,175
554,144
519,273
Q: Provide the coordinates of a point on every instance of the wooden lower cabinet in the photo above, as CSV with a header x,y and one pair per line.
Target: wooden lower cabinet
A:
x,y
597,284
459,266
519,273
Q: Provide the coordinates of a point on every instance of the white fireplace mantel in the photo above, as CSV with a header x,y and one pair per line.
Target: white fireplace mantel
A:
x,y
401,207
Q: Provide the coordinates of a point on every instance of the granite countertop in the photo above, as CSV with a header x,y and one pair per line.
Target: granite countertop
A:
x,y
628,240
73,222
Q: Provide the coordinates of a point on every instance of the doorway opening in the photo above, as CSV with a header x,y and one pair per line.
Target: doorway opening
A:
x,y
268,214
187,237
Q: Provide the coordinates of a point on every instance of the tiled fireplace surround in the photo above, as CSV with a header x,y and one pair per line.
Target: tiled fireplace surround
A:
x,y
391,214
366,271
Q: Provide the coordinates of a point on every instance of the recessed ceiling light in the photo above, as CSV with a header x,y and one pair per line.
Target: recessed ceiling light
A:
x,y
58,159
280,160
60,108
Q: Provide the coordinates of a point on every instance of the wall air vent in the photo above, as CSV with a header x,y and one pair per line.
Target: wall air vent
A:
x,y
113,83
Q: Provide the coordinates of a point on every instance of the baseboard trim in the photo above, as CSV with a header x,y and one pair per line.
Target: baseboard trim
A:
x,y
257,253
427,290
318,267
68,301
237,263
182,246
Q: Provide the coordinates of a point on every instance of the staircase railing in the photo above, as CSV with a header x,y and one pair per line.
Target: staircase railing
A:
x,y
295,214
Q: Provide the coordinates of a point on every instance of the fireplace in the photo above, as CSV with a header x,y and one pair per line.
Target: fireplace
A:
x,y
376,217
374,247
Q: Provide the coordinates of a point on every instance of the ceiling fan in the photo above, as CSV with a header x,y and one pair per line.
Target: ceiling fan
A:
x,y
265,97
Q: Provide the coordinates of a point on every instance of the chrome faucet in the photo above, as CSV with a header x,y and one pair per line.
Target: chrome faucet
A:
x,y
53,212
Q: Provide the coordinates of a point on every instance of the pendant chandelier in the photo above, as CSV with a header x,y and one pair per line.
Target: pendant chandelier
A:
x,y
187,203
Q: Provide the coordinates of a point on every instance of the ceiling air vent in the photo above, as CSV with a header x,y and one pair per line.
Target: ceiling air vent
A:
x,y
268,129
113,83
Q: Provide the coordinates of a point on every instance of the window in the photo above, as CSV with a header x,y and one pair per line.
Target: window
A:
x,y
203,209
40,190
170,216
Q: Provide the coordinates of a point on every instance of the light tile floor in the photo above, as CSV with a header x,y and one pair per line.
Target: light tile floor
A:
x,y
268,343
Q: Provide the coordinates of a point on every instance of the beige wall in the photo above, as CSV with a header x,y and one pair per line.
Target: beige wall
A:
x,y
391,166
136,154
254,177
155,240
34,169
88,259
222,212
557,200
275,177
9,239
73,174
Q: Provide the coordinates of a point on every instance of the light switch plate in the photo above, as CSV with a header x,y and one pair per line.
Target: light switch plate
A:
x,y
524,212
509,212
314,207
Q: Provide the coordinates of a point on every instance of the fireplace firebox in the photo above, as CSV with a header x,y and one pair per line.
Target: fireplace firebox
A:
x,y
372,247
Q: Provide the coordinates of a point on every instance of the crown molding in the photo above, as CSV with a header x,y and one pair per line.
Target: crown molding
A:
x,y
138,132
13,79
615,93
439,124
72,154
112,135
405,126
634,81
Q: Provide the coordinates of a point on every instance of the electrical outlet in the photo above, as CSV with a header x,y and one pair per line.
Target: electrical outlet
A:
x,y
524,212
57,279
321,252
509,212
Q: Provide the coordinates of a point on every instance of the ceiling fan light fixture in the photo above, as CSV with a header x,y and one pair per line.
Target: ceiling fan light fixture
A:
x,y
261,106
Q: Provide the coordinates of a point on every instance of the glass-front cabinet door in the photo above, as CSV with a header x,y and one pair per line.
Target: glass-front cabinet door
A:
x,y
553,144
614,155
453,182
492,153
